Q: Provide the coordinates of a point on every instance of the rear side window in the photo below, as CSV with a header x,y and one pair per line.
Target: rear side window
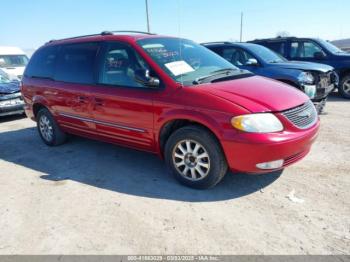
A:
x,y
42,64
278,47
76,63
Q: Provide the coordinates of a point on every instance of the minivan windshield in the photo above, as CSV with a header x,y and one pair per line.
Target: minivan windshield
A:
x,y
185,61
330,47
265,54
13,60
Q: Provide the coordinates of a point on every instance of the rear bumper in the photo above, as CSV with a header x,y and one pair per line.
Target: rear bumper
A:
x,y
11,111
29,111
243,154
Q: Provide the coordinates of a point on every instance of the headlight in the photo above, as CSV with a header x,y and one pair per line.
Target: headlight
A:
x,y
257,123
306,78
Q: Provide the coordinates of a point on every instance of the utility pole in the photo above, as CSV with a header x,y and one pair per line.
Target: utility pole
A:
x,y
241,38
148,29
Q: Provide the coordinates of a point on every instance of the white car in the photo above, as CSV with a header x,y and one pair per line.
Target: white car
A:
x,y
13,61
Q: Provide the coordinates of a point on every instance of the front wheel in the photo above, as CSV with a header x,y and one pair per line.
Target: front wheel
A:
x,y
195,157
344,87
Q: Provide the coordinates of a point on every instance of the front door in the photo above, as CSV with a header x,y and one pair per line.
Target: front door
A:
x,y
122,107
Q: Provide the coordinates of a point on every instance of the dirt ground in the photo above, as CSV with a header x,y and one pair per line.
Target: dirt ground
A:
x,y
89,197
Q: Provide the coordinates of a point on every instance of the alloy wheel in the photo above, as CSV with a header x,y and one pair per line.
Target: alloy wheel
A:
x,y
46,128
191,160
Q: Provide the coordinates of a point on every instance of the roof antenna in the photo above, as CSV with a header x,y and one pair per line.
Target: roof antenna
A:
x,y
241,32
180,39
147,15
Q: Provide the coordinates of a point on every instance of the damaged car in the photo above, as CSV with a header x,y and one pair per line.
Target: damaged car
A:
x,y
11,101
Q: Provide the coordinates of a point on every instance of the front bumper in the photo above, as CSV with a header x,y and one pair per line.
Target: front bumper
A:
x,y
11,104
322,93
319,93
245,152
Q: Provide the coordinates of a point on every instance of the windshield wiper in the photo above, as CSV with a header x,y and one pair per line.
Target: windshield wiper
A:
x,y
215,75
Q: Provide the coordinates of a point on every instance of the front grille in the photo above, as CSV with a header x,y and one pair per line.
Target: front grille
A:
x,y
302,116
324,80
294,158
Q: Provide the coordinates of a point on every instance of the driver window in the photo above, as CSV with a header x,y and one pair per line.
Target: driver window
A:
x,y
237,56
119,64
304,49
310,48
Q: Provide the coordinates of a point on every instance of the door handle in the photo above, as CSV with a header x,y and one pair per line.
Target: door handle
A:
x,y
98,102
82,99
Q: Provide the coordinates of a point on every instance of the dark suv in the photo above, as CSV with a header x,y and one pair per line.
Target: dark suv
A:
x,y
316,80
313,50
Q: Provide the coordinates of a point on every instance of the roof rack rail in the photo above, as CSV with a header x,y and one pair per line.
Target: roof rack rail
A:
x,y
129,31
217,42
103,33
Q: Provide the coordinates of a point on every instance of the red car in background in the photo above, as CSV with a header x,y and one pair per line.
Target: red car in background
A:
x,y
168,96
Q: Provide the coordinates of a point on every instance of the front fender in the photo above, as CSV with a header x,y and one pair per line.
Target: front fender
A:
x,y
285,75
217,122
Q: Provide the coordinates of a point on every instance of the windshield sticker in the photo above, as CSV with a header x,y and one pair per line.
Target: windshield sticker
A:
x,y
179,68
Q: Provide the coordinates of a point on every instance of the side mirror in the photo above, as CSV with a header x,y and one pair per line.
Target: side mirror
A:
x,y
143,76
319,55
252,62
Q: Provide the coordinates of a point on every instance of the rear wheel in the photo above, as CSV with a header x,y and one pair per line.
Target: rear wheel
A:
x,y
195,157
344,87
49,131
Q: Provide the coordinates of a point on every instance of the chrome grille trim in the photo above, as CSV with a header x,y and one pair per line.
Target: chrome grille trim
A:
x,y
303,116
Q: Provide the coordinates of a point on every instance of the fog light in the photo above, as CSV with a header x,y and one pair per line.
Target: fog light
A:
x,y
270,165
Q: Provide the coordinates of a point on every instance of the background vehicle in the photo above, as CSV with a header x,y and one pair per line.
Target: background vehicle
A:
x,y
11,101
13,61
313,50
168,96
316,80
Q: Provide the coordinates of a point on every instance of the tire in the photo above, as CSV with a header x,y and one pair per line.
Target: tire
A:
x,y
320,106
344,87
46,124
196,142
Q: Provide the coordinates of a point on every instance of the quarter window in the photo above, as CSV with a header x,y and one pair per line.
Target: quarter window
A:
x,y
76,63
42,64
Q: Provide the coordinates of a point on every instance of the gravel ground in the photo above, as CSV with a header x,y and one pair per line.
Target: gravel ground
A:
x,y
88,197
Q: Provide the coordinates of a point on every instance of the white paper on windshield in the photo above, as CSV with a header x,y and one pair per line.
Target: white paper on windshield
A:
x,y
179,67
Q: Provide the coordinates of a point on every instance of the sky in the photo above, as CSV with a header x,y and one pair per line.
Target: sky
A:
x,y
29,24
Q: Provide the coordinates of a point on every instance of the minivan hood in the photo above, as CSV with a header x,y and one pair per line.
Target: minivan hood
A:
x,y
306,66
9,88
257,94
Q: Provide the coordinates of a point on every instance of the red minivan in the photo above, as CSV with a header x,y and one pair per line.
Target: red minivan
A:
x,y
168,96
